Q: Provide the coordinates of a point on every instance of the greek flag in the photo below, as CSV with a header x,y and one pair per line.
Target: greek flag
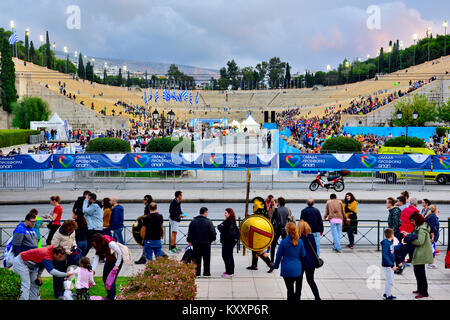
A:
x,y
180,97
174,95
150,98
145,97
196,98
185,95
156,96
14,38
190,98
166,95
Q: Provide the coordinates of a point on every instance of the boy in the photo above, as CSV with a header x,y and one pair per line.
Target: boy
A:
x,y
388,262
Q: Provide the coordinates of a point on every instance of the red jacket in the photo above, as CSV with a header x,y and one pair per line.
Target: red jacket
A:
x,y
404,217
38,255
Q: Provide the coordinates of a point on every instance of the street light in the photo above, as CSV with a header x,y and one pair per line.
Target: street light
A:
x,y
414,36
170,115
328,76
368,68
13,25
93,63
415,115
401,48
389,51
27,33
155,114
67,56
445,25
428,36
378,54
41,39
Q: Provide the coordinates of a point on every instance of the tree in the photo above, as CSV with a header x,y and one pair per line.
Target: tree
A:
x,y
48,55
32,51
233,73
7,77
128,79
224,82
176,76
276,70
119,78
104,75
381,61
262,70
424,107
287,76
443,112
81,70
29,109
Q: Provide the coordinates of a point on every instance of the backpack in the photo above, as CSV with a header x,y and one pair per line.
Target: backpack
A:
x,y
126,255
8,254
234,233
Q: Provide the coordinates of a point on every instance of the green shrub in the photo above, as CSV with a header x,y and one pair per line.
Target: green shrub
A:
x,y
108,145
15,137
162,279
400,141
341,144
9,285
440,131
29,109
167,144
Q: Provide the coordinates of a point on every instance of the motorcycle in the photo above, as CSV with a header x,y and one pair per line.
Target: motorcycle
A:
x,y
334,182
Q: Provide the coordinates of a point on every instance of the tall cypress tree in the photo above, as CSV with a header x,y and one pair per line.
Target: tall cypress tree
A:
x,y
32,51
48,55
381,61
104,75
287,77
128,79
81,71
27,47
7,76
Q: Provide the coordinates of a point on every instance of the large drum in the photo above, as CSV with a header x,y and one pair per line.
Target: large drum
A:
x,y
256,232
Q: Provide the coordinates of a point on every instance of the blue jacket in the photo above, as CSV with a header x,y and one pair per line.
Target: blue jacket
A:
x,y
93,215
290,257
387,253
116,220
313,217
24,239
433,222
309,261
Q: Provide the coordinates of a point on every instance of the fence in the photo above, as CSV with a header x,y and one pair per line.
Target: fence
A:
x,y
370,233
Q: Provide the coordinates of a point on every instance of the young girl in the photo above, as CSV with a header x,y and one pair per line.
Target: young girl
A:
x,y
85,278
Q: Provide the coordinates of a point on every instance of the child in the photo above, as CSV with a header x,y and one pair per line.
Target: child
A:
x,y
388,262
85,278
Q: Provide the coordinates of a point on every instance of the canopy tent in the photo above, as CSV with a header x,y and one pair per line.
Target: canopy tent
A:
x,y
54,123
250,124
235,124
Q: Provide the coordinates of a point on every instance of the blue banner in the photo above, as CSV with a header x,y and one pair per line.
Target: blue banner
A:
x,y
90,161
308,161
26,162
441,163
394,162
239,161
164,161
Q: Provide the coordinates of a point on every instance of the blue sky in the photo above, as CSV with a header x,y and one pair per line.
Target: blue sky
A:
x,y
208,33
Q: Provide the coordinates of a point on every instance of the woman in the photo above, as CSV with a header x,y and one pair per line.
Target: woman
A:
x,y
107,210
30,264
229,235
290,253
309,262
422,253
107,248
433,222
65,238
426,204
81,233
55,218
351,223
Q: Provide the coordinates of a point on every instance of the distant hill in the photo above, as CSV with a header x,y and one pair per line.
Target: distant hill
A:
x,y
139,67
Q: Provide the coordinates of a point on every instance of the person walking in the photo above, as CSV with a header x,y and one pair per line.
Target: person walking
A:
x,y
152,232
350,223
94,217
107,248
394,221
290,253
310,259
422,253
55,218
201,235
107,210
334,212
147,200
30,264
269,139
175,214
388,262
116,222
312,216
229,236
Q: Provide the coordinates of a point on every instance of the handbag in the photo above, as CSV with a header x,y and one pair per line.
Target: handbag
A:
x,y
319,261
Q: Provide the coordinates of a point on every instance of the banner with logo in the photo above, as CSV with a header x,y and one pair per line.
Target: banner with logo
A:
x,y
302,161
164,161
26,162
441,163
90,161
394,162
239,161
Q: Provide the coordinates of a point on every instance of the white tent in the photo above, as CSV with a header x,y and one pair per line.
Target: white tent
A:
x,y
250,124
236,124
54,123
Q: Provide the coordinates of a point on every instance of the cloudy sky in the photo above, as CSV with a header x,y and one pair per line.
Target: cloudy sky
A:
x,y
207,33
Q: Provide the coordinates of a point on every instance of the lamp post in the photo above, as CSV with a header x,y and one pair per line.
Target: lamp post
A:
x,y
13,25
347,65
155,115
67,56
428,36
328,76
415,115
445,25
379,57
85,59
401,48
170,116
389,51
93,63
368,68
41,39
414,56
27,33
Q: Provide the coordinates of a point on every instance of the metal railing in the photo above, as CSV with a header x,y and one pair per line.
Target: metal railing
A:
x,y
369,234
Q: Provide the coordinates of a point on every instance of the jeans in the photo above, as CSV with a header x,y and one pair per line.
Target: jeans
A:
x,y
317,239
389,274
82,245
227,256
421,278
117,234
336,231
293,294
29,290
151,246
111,293
202,250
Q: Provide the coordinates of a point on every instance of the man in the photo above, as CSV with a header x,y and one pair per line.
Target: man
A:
x,y
406,226
175,214
407,201
24,236
201,235
334,211
93,214
116,221
152,232
394,221
148,199
269,139
312,216
78,205
279,219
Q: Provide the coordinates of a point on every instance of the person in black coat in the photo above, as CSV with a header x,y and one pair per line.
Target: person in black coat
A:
x,y
78,205
309,261
147,200
229,235
201,235
312,216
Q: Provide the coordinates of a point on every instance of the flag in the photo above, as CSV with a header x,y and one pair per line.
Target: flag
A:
x,y
174,95
166,95
151,96
13,38
196,98
180,96
190,98
185,95
156,96
145,97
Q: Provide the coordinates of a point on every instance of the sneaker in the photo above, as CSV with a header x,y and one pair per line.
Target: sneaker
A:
x,y
173,251
391,297
350,246
384,296
270,270
432,266
252,268
419,296
176,249
227,276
